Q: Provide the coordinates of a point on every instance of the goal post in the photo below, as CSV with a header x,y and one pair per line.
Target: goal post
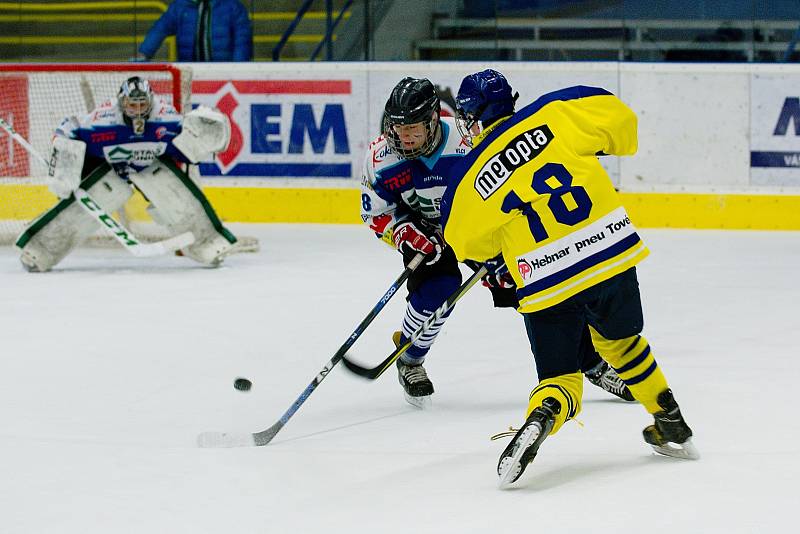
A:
x,y
34,98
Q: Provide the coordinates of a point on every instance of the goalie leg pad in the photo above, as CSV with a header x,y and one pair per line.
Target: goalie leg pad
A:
x,y
180,205
50,237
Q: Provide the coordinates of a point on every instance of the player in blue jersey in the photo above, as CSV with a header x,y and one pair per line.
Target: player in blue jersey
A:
x,y
402,186
136,140
531,199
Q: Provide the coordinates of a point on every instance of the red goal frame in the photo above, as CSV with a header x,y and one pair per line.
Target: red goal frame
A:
x,y
177,74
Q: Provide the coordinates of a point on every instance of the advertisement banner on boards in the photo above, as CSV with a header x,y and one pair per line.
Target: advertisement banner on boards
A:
x,y
304,123
775,130
288,126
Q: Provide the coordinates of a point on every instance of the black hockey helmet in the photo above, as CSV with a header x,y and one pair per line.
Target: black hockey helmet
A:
x,y
413,101
135,100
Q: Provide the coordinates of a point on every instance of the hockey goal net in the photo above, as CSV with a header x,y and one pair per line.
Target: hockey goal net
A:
x,y
35,98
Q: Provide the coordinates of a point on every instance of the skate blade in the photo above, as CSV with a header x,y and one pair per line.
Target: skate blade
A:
x,y
684,451
423,403
510,468
221,440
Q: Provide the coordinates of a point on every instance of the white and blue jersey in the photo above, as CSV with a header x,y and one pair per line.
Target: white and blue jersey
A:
x,y
394,189
108,138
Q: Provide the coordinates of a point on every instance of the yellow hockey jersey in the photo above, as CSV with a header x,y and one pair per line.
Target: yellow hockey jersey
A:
x,y
534,189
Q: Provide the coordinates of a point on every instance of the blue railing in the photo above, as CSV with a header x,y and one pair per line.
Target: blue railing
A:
x,y
331,26
327,39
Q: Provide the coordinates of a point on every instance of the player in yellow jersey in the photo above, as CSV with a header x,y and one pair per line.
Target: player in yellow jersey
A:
x,y
532,198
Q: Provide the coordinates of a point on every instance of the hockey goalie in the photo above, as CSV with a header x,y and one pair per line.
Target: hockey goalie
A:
x,y
136,141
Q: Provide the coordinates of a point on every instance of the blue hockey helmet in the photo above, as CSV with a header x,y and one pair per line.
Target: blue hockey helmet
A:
x,y
484,96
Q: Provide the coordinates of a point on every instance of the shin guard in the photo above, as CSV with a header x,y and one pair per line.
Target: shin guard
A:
x,y
180,205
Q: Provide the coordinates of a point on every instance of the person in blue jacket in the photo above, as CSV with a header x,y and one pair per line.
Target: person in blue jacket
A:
x,y
205,30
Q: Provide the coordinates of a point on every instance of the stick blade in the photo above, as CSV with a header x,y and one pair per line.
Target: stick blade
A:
x,y
159,248
374,372
223,440
357,369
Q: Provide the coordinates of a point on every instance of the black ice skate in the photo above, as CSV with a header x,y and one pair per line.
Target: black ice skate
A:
x,y
525,444
414,379
670,435
604,376
416,384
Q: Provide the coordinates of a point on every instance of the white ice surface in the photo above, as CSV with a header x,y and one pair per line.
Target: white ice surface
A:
x,y
112,365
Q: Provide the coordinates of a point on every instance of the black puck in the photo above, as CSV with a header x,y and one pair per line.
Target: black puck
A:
x,y
242,384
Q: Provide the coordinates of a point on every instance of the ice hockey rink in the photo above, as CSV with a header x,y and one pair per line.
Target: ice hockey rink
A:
x,y
112,365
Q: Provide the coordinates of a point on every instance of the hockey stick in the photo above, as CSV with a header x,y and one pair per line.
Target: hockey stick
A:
x,y
375,372
120,233
223,439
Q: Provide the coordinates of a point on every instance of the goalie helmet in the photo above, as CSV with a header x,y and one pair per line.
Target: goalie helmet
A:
x,y
484,96
135,100
411,118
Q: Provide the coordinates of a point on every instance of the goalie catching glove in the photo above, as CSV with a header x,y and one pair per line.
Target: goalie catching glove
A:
x,y
66,162
204,133
410,240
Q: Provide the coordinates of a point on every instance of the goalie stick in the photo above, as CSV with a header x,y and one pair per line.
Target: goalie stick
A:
x,y
124,236
224,439
375,372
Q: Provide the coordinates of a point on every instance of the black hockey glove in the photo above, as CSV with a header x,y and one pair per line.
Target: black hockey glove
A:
x,y
503,290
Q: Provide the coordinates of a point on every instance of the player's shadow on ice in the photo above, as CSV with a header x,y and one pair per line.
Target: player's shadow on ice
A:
x,y
535,480
350,425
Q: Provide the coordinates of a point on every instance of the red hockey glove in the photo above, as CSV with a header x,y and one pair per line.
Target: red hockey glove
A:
x,y
410,241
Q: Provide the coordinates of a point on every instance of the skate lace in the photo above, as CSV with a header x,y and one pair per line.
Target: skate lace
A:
x,y
507,434
415,374
513,431
612,382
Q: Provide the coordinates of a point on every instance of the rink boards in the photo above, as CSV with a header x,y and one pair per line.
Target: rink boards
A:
x,y
341,206
718,144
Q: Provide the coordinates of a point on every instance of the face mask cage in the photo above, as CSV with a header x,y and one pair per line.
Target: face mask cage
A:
x,y
467,124
136,102
432,136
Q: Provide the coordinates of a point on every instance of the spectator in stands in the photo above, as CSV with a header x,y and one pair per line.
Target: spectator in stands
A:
x,y
205,30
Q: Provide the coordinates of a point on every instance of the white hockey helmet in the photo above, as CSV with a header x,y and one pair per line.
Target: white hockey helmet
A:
x,y
135,100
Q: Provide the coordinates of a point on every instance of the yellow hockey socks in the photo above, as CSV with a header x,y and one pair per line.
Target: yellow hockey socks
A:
x,y
566,389
635,365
